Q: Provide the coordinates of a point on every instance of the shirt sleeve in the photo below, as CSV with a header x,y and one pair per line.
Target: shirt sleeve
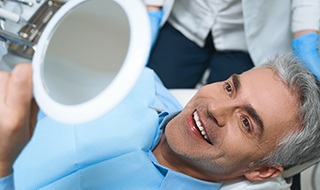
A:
x,y
166,7
6,183
305,15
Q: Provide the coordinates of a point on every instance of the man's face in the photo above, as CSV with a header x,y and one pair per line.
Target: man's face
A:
x,y
241,120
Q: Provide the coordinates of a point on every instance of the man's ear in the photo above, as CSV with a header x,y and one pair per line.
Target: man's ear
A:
x,y
263,172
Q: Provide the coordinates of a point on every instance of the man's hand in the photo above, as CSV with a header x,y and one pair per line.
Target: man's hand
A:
x,y
15,103
155,15
306,47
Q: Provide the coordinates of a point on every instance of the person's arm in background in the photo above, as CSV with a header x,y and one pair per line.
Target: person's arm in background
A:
x,y
155,13
16,126
158,11
306,25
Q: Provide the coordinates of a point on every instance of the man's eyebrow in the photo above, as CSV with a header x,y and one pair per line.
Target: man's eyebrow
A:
x,y
236,82
248,108
255,116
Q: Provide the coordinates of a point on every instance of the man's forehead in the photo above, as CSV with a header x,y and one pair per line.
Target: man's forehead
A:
x,y
268,95
261,79
259,71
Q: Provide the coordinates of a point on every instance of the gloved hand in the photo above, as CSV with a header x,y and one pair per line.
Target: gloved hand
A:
x,y
155,17
306,49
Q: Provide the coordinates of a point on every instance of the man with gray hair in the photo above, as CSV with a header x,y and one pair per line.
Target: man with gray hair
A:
x,y
250,126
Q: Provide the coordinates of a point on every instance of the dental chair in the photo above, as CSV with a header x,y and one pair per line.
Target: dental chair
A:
x,y
282,182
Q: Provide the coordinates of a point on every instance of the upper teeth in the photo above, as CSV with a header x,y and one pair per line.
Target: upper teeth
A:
x,y
199,125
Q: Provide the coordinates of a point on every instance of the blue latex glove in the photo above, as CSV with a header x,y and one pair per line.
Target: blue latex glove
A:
x,y
306,49
155,20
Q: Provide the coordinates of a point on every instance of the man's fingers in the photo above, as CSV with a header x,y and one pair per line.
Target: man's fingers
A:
x,y
4,76
16,94
33,116
20,87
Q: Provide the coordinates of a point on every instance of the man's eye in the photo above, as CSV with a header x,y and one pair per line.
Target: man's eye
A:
x,y
228,88
246,124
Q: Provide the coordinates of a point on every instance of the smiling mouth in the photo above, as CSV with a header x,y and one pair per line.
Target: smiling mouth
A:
x,y
200,127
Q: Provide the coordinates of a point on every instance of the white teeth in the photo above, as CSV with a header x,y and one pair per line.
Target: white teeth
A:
x,y
198,123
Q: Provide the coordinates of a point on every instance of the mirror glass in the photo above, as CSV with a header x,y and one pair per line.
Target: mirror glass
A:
x,y
86,51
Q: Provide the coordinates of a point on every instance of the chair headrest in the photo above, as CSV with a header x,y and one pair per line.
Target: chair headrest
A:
x,y
298,168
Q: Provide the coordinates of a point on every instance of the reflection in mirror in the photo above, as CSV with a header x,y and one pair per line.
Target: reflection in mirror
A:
x,y
86,51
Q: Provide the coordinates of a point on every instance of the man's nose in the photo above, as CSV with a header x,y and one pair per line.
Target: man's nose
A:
x,y
221,111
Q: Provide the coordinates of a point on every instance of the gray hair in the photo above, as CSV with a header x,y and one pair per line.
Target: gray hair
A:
x,y
302,145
